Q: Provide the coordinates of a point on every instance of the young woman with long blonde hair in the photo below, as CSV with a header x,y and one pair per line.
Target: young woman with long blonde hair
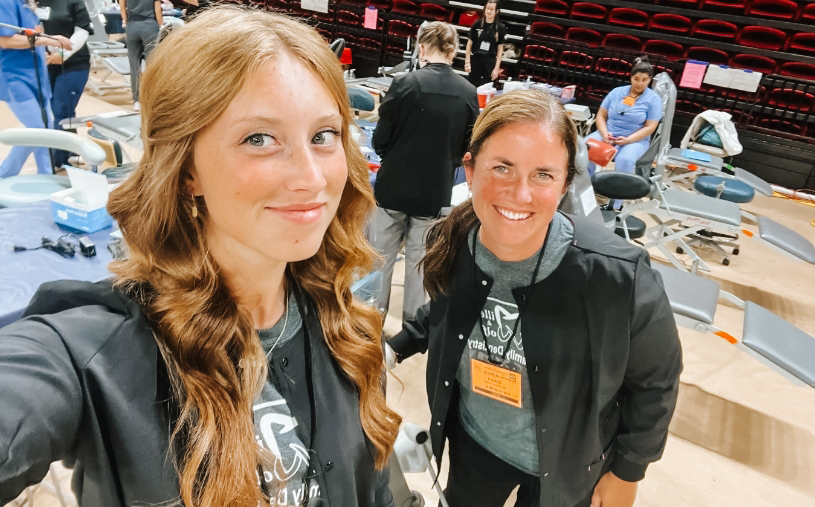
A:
x,y
227,364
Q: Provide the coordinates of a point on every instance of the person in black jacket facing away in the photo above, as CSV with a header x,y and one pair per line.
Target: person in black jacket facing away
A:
x,y
68,69
485,46
553,356
423,129
227,363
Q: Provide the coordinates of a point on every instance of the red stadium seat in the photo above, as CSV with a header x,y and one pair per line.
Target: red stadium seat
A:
x,y
706,54
405,7
547,29
798,69
794,100
674,23
790,128
776,9
576,59
762,37
715,29
802,43
622,41
725,6
757,63
553,7
807,13
586,36
588,11
628,17
539,53
671,50
613,66
436,12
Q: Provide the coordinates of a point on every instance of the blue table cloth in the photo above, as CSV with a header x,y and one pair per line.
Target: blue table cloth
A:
x,y
22,272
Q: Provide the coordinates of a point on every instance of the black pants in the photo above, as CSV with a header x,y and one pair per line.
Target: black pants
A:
x,y
478,478
141,37
481,66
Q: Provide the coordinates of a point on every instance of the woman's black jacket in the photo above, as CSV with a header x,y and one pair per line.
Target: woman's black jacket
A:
x,y
82,380
602,314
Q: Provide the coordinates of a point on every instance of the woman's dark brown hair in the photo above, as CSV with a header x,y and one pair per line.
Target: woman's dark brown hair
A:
x,y
209,343
447,237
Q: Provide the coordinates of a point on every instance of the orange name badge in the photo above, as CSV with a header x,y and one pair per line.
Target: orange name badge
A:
x,y
497,383
629,101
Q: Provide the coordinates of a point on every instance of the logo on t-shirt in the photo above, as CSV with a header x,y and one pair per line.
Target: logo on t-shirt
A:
x,y
275,430
498,318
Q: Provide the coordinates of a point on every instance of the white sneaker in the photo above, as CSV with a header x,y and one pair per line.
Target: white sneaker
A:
x,y
136,106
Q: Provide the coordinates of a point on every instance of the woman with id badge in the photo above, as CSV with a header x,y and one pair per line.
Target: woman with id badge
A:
x,y
553,357
628,116
485,46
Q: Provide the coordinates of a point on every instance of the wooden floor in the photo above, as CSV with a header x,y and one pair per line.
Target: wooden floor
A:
x,y
742,435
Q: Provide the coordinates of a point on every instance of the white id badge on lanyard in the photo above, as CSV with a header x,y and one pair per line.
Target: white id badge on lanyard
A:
x,y
43,13
485,45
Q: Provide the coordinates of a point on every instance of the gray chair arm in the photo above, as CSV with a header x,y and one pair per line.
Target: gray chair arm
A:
x,y
55,139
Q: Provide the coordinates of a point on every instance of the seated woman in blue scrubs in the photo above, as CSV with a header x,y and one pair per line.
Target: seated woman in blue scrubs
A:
x,y
628,116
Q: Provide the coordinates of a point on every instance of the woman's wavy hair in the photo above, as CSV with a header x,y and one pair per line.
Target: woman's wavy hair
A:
x,y
209,343
519,107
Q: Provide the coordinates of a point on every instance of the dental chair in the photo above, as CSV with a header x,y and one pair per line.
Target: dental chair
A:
x,y
767,337
27,188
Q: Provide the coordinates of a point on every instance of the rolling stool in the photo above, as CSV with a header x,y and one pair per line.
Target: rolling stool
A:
x,y
622,186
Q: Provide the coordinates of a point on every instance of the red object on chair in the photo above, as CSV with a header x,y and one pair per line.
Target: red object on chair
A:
x,y
673,51
590,37
802,42
757,63
628,17
467,18
588,11
405,7
346,59
762,37
601,153
715,29
539,53
547,29
553,7
622,41
798,69
613,67
674,23
776,9
726,6
436,13
706,54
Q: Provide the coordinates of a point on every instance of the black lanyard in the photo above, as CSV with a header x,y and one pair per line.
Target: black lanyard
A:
x,y
494,359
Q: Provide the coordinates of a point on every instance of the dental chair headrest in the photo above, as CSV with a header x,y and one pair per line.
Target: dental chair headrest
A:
x,y
337,47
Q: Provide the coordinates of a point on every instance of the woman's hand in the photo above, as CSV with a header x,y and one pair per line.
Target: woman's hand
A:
x,y
612,491
607,137
621,141
53,59
495,74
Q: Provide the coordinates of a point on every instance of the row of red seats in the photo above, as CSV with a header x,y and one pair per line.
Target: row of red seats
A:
x,y
674,51
786,10
762,37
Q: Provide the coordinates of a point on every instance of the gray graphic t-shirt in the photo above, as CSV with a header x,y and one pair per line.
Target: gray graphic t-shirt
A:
x,y
506,431
275,427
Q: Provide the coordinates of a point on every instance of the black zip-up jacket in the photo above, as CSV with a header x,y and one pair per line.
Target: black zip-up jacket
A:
x,y
82,380
602,352
423,131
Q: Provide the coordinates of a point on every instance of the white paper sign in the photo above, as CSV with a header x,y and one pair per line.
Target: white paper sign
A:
x,y
315,5
746,80
718,75
588,200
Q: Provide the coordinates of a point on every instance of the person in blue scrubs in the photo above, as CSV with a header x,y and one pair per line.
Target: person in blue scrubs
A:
x,y
628,116
18,81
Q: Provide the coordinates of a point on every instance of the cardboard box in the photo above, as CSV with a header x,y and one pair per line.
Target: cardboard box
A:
x,y
82,207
